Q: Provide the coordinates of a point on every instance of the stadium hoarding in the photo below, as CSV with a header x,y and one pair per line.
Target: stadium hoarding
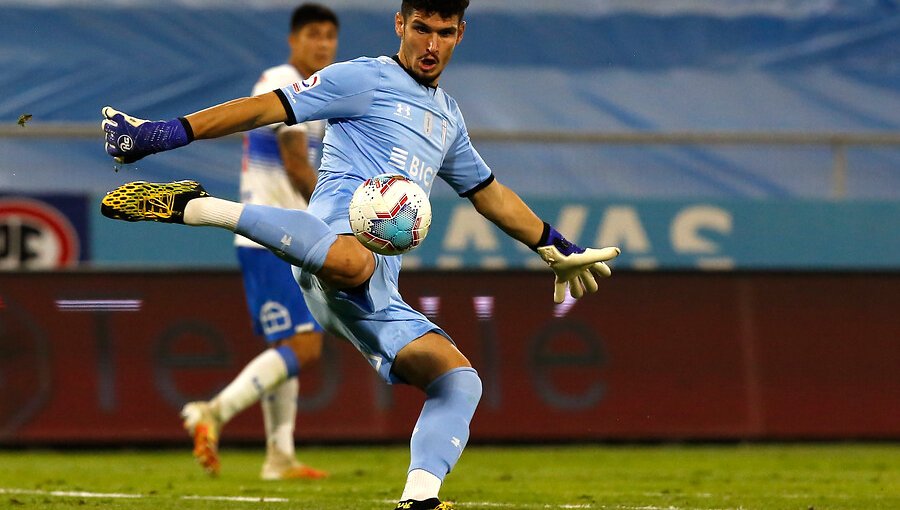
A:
x,y
111,357
653,234
685,234
41,232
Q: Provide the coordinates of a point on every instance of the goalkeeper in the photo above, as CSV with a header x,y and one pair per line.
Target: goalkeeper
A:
x,y
385,113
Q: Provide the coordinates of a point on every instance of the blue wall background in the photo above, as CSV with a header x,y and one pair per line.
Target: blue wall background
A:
x,y
581,66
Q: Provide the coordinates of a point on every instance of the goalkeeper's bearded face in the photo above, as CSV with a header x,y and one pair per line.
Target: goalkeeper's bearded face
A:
x,y
427,42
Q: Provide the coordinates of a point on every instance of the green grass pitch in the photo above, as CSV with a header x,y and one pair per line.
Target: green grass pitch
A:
x,y
747,477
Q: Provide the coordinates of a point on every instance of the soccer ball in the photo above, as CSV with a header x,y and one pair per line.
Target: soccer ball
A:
x,y
390,214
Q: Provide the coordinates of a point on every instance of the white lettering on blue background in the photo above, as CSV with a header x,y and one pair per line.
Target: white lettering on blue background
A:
x,y
687,235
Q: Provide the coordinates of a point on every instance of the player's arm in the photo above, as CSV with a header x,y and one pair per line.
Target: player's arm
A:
x,y
294,148
237,115
129,139
504,208
343,90
576,268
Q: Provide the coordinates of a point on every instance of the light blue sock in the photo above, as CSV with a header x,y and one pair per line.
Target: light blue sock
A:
x,y
443,427
295,236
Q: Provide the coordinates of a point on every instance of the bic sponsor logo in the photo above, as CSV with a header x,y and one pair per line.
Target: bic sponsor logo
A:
x,y
35,235
412,166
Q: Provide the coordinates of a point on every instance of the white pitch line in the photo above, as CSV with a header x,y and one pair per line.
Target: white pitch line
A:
x,y
240,499
619,507
489,504
115,495
263,499
494,504
70,494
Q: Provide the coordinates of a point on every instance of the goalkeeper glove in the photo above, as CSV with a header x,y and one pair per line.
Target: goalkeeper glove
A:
x,y
575,267
129,139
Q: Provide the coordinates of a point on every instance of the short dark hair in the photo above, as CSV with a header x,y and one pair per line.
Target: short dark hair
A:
x,y
312,13
444,8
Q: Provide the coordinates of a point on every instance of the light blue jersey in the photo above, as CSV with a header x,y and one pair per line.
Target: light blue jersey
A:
x,y
380,120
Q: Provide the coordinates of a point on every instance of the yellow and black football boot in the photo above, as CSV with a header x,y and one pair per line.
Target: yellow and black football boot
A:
x,y
151,201
428,504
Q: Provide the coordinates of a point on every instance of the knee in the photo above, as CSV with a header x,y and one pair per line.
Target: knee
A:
x,y
348,264
464,381
473,386
307,347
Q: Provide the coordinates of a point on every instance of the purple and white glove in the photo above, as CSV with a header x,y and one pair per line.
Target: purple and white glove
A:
x,y
576,268
129,139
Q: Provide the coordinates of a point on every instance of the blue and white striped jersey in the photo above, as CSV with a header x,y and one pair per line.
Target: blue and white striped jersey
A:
x,y
263,177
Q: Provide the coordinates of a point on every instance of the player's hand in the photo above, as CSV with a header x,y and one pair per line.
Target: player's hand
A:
x,y
129,139
576,268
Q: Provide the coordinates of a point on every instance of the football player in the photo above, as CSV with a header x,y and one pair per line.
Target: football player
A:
x,y
378,112
278,169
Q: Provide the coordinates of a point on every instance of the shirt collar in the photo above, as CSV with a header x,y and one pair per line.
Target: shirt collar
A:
x,y
396,59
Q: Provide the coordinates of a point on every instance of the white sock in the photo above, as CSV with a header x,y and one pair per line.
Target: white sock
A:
x,y
213,212
279,407
262,374
421,485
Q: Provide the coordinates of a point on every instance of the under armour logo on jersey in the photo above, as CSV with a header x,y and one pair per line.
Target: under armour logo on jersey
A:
x,y
456,442
404,110
286,241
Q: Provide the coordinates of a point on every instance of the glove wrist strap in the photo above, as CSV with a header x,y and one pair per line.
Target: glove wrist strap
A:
x,y
551,237
545,237
188,130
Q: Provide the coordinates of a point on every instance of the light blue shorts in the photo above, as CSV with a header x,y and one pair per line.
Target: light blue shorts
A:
x,y
373,317
274,301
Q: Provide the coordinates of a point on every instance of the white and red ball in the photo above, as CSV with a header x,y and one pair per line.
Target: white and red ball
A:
x,y
390,214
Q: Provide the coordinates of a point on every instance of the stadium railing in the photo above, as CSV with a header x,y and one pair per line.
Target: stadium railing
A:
x,y
836,141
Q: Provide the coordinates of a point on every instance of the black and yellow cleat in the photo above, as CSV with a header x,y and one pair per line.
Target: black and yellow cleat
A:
x,y
151,201
428,504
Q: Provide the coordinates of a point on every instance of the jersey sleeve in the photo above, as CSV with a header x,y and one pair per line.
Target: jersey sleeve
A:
x,y
281,127
343,90
463,168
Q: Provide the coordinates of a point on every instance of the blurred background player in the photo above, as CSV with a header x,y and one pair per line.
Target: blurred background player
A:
x,y
279,169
